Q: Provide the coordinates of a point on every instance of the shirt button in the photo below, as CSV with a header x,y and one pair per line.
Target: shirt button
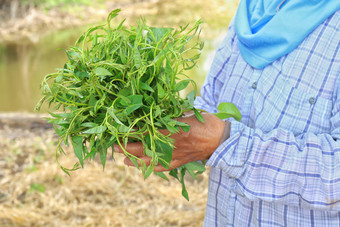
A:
x,y
311,100
254,85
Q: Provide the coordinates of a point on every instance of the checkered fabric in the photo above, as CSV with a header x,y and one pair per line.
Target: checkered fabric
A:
x,y
281,164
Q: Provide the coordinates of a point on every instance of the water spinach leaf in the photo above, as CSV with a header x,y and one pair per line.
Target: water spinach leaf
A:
x,y
227,110
121,84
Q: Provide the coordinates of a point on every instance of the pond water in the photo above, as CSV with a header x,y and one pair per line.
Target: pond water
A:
x,y
23,66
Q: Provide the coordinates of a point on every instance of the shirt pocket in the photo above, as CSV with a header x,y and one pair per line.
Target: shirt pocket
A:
x,y
284,106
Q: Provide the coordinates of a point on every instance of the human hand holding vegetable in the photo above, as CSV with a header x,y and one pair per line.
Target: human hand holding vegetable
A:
x,y
123,84
197,144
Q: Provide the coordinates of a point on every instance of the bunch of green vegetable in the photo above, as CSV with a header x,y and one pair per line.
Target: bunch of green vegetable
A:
x,y
122,84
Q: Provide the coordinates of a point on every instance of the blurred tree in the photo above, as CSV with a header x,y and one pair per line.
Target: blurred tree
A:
x,y
11,9
15,9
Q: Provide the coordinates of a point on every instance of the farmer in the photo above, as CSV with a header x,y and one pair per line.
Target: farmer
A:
x,y
279,166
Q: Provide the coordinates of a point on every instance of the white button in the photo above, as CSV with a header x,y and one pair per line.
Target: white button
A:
x,y
312,100
254,85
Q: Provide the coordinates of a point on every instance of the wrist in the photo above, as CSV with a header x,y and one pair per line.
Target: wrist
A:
x,y
226,132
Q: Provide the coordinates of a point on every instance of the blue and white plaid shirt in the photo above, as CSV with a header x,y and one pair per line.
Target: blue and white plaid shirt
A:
x,y
281,164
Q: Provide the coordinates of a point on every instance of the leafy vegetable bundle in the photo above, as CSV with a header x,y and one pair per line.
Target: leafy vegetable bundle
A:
x,y
122,84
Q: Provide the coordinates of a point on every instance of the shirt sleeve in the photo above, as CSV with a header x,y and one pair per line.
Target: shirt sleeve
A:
x,y
278,166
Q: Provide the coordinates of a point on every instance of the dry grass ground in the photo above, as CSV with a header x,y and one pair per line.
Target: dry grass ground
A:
x,y
35,192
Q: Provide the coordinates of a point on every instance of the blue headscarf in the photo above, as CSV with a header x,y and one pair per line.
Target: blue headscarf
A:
x,y
270,29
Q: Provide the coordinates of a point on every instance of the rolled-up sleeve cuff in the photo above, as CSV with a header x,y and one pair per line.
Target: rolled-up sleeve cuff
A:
x,y
233,153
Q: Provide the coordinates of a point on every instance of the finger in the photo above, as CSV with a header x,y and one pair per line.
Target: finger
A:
x,y
144,159
134,148
174,164
159,168
147,161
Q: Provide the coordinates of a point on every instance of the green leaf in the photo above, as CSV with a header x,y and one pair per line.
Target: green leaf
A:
x,y
148,152
64,123
66,115
160,91
112,114
132,108
194,168
112,15
102,154
93,148
136,102
59,131
122,56
182,85
159,33
124,101
184,190
185,127
77,143
228,110
58,121
124,92
92,100
174,173
162,175
134,161
198,115
89,124
191,97
100,71
148,171
145,87
59,78
169,124
164,152
75,93
137,58
112,129
171,128
80,39
168,68
121,24
157,112
73,56
123,129
81,75
96,130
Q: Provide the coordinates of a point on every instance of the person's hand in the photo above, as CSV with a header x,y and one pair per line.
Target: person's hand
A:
x,y
197,144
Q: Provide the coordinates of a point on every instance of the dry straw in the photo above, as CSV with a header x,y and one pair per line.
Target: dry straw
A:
x,y
35,192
